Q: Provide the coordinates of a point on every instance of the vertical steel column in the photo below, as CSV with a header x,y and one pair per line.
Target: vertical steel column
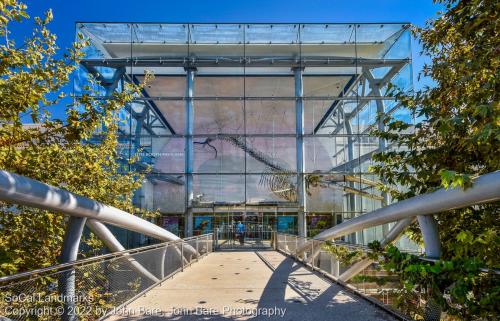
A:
x,y
189,153
134,239
69,253
352,238
375,87
299,138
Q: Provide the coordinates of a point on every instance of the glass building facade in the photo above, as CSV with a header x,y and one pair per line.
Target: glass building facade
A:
x,y
268,124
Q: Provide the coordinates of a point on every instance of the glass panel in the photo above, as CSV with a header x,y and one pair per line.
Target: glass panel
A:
x,y
217,33
327,33
269,34
343,155
261,189
269,86
218,155
173,112
146,119
260,40
317,223
376,32
165,154
164,86
107,40
229,86
375,40
314,111
270,116
267,153
165,193
216,40
160,33
327,40
401,48
159,40
218,188
324,192
368,115
318,151
105,80
106,32
326,86
219,117
403,79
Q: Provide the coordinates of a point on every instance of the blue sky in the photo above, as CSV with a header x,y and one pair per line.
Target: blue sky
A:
x,y
67,12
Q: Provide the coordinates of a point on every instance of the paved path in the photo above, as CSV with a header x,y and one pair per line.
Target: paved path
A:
x,y
238,285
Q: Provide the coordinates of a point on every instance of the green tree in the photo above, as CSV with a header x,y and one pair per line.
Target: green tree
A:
x,y
458,139
55,151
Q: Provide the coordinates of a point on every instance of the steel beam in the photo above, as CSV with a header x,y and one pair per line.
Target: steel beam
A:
x,y
257,61
352,83
299,140
364,101
189,149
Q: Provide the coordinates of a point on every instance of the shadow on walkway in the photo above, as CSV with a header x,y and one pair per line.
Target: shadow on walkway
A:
x,y
291,292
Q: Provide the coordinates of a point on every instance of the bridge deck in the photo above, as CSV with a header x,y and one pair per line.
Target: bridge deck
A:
x,y
239,285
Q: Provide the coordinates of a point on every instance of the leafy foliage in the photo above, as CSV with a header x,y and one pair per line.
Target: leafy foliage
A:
x,y
55,151
344,254
460,286
458,139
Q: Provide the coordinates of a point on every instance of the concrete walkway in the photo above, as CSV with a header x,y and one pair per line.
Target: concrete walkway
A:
x,y
239,285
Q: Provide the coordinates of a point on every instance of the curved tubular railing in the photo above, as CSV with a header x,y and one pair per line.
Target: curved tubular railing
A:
x,y
486,188
105,235
25,191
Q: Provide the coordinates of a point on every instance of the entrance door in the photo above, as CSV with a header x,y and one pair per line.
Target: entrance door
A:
x,y
255,235
253,227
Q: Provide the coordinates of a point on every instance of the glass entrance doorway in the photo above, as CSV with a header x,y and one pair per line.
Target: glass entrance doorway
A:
x,y
252,234
258,225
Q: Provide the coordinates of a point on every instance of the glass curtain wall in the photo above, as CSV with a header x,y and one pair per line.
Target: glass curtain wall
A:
x,y
268,116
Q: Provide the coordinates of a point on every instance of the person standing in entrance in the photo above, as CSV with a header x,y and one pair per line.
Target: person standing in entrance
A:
x,y
240,232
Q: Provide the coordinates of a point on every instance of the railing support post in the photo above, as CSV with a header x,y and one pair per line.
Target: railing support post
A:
x,y
430,234
182,256
312,254
162,263
69,253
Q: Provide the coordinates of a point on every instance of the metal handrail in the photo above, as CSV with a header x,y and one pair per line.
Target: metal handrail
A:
x,y
366,250
98,258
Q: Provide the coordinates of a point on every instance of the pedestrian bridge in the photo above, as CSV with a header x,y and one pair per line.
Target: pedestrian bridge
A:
x,y
195,278
249,284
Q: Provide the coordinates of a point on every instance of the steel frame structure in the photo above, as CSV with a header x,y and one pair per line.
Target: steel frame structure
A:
x,y
247,60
